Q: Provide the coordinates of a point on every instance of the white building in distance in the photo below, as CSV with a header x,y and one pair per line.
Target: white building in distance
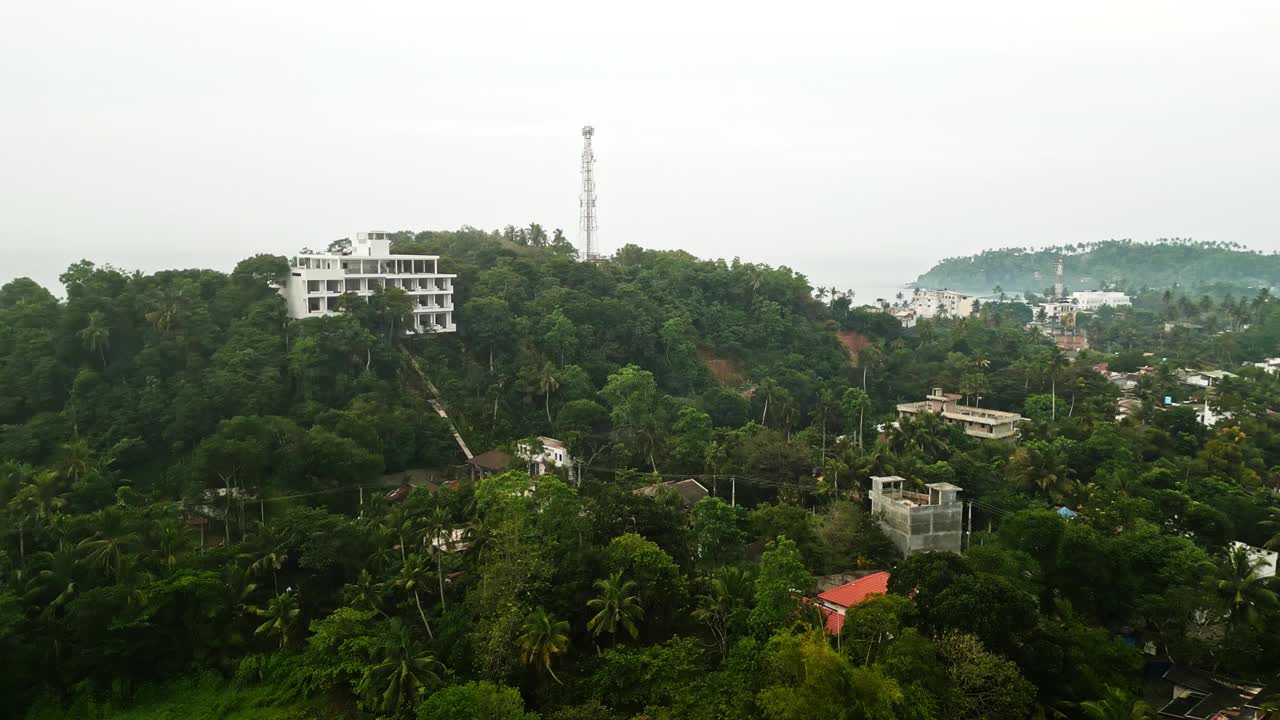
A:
x,y
937,303
1270,365
551,456
317,282
1055,310
1091,300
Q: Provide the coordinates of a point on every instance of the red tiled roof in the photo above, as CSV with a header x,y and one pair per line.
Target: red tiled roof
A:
x,y
835,621
832,620
855,592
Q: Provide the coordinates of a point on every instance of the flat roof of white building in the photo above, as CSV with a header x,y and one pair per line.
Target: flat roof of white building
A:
x,y
332,256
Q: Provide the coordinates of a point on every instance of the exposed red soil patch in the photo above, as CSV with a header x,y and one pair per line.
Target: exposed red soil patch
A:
x,y
724,371
854,342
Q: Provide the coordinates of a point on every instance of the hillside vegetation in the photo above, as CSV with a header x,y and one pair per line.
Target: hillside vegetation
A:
x,y
1110,264
194,519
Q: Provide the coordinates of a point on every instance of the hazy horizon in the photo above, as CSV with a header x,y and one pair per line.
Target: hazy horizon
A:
x,y
857,145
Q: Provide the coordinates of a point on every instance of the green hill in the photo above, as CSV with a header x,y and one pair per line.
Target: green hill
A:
x,y
1112,263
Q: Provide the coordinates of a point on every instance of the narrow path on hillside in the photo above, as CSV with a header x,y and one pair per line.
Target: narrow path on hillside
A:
x,y
434,400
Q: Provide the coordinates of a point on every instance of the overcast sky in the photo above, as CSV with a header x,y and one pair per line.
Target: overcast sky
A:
x,y
856,142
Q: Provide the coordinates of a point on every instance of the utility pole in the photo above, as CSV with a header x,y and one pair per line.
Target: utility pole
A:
x,y
968,534
733,491
588,241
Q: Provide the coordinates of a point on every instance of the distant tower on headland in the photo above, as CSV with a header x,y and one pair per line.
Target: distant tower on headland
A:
x,y
1059,287
588,242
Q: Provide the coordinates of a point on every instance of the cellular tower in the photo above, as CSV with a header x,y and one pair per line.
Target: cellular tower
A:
x,y
587,229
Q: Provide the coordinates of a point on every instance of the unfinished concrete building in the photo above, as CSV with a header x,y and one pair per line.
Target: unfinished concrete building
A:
x,y
917,522
977,422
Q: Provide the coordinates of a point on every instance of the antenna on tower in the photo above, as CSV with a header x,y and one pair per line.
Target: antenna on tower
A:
x,y
1059,287
587,229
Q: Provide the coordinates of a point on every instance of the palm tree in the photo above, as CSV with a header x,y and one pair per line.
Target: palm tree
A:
x,y
1243,591
55,584
412,577
616,606
166,543
544,637
164,316
109,544
1042,467
439,541
281,615
14,477
869,357
394,681
272,559
394,523
1054,363
548,383
385,554
96,336
1116,705
365,592
767,388
826,406
46,496
923,431
729,590
78,461
52,589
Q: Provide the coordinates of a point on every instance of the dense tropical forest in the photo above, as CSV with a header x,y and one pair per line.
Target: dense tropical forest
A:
x,y
1111,264
203,513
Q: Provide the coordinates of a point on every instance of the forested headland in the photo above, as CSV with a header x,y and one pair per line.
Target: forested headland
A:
x,y
1110,264
202,515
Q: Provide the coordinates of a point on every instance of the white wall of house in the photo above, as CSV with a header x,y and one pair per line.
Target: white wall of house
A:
x,y
1265,560
553,455
1271,365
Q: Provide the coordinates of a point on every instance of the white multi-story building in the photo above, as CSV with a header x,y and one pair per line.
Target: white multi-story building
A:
x,y
1091,300
317,282
935,303
1055,310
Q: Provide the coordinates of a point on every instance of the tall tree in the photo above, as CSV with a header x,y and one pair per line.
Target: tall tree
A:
x,y
617,606
781,581
544,638
1043,467
96,336
548,383
413,576
399,673
1246,594
280,616
1055,361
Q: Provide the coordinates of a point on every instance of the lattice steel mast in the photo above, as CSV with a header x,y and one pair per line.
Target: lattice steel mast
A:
x,y
587,230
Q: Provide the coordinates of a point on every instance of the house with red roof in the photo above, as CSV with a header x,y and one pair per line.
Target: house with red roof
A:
x,y
836,601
